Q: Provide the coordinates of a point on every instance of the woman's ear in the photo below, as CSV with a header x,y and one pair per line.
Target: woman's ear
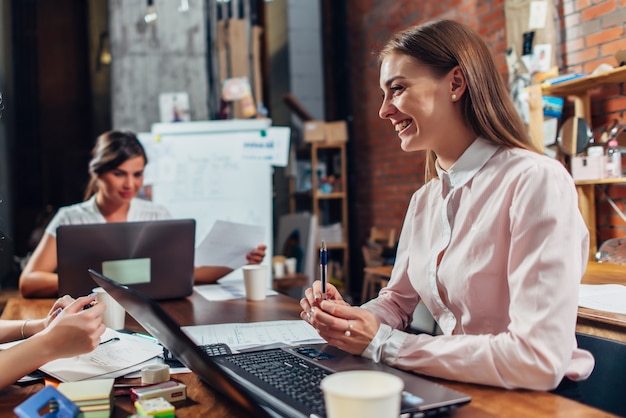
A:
x,y
458,84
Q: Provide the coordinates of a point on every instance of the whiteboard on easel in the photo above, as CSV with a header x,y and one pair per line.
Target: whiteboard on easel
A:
x,y
216,170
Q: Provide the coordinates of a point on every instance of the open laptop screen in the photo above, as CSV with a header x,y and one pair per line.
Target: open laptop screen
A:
x,y
154,257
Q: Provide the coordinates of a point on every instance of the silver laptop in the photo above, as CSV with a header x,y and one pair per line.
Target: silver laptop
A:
x,y
240,376
154,257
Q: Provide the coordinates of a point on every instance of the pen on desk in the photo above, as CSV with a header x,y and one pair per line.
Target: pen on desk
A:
x,y
110,340
323,268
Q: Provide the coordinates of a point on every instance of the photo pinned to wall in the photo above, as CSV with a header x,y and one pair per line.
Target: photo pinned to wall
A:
x,y
542,57
174,107
238,89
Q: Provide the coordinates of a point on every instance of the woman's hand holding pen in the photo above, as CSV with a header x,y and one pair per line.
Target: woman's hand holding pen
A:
x,y
74,330
313,296
346,327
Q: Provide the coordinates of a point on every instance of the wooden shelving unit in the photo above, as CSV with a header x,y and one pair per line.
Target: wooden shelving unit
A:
x,y
579,90
329,206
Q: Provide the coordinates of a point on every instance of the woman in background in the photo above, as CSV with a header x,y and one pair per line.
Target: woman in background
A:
x,y
493,244
67,331
116,170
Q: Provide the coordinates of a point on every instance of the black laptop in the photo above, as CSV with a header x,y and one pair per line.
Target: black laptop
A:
x,y
259,381
154,257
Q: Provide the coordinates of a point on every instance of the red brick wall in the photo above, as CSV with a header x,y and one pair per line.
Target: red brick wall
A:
x,y
384,177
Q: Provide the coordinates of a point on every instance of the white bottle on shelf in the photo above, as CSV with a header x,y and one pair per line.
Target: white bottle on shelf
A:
x,y
613,160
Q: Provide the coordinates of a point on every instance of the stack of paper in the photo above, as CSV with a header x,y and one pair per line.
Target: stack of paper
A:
x,y
94,398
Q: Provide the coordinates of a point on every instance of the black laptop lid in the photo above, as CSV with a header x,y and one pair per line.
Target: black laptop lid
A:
x,y
153,257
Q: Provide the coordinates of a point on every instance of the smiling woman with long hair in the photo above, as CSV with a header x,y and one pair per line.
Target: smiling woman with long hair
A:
x,y
493,244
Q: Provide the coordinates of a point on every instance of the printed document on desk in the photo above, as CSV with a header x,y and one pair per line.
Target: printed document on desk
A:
x,y
603,297
227,244
242,336
115,356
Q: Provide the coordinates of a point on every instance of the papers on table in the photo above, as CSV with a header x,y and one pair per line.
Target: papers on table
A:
x,y
117,355
226,291
603,297
242,336
227,244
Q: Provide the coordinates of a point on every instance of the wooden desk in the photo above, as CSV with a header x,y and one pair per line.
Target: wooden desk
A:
x,y
587,205
203,402
287,282
601,323
590,321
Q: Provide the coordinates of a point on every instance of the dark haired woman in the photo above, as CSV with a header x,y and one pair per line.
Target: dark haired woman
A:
x,y
116,170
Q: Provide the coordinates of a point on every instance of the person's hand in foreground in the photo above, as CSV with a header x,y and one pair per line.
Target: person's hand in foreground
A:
x,y
74,330
68,330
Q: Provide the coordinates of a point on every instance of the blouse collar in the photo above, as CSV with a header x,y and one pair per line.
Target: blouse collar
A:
x,y
466,167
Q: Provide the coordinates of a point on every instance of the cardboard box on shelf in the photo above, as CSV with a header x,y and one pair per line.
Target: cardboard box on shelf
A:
x,y
314,131
337,131
320,131
588,168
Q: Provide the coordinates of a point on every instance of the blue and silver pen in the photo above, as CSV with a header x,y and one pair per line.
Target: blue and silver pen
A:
x,y
323,268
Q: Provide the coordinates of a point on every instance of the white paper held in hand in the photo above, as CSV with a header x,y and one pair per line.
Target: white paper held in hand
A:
x,y
227,244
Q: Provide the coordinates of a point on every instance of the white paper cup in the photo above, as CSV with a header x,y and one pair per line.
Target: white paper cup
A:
x,y
114,315
255,281
279,269
290,265
363,394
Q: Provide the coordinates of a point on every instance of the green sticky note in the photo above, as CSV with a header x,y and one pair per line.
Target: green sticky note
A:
x,y
129,271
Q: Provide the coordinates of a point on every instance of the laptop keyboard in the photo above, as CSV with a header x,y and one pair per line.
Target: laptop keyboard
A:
x,y
215,349
284,375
